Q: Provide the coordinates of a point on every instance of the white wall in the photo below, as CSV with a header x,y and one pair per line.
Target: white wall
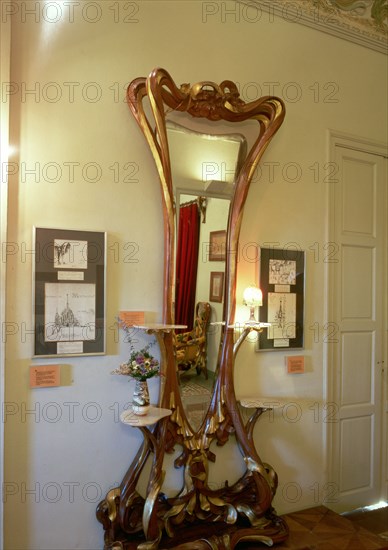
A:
x,y
69,462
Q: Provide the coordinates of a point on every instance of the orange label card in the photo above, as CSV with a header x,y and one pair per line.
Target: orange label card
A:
x,y
44,376
130,318
295,364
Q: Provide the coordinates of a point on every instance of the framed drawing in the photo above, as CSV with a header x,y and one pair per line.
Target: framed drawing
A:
x,y
217,246
216,286
69,292
282,278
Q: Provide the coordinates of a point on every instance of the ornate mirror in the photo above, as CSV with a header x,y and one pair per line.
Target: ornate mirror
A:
x,y
198,516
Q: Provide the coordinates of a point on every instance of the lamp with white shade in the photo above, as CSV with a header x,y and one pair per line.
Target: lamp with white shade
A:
x,y
252,297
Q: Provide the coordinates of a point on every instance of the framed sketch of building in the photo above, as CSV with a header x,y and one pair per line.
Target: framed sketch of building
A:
x,y
69,292
69,312
281,279
282,315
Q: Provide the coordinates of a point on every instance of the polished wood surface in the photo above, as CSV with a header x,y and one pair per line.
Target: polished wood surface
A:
x,y
319,528
374,520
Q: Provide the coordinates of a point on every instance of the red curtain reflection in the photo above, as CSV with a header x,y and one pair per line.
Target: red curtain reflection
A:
x,y
186,264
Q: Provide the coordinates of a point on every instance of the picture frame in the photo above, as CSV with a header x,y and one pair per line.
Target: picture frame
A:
x,y
69,287
217,246
282,282
216,286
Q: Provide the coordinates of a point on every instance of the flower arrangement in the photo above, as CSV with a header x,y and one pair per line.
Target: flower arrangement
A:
x,y
140,365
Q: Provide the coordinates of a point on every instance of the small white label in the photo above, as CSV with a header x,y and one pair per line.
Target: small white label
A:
x,y
71,275
64,348
281,343
282,288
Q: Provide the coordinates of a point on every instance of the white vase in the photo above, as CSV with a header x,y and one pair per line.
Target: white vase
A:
x,y
141,398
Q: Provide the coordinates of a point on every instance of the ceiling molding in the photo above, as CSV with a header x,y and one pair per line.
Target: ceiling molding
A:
x,y
363,22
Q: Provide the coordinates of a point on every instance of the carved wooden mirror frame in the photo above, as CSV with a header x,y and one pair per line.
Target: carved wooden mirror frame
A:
x,y
198,517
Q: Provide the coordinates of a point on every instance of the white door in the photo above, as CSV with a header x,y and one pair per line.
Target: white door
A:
x,y
357,299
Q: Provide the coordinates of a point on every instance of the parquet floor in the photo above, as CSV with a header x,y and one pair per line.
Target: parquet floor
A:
x,y
375,521
321,529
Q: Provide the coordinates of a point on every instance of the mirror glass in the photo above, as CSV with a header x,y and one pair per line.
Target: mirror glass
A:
x,y
204,166
204,162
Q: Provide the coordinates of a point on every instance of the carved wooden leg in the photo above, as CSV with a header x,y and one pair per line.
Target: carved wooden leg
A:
x,y
151,528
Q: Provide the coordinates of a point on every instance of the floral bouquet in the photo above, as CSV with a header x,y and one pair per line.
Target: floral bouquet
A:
x,y
140,365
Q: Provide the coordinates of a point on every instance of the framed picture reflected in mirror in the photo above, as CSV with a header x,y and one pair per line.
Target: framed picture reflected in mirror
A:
x,y
216,286
217,246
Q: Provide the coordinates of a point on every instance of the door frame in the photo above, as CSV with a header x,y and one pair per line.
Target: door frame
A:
x,y
5,76
344,140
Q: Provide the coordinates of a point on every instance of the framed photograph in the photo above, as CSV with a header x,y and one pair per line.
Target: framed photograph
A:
x,y
216,286
69,292
282,279
217,246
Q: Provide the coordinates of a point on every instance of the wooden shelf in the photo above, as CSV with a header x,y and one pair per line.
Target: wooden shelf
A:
x,y
152,417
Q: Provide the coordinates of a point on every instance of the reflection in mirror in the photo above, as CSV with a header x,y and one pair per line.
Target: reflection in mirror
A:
x,y
196,383
204,168
206,163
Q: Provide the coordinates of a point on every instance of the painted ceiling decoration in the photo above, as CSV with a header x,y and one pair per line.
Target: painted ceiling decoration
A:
x,y
364,22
